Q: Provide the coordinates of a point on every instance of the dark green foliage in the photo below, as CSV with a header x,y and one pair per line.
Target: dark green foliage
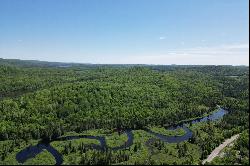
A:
x,y
120,98
40,100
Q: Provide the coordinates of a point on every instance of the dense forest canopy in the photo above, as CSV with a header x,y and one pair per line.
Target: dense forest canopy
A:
x,y
41,100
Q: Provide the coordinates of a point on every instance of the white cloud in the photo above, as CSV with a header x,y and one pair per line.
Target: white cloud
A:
x,y
236,46
220,55
233,54
162,37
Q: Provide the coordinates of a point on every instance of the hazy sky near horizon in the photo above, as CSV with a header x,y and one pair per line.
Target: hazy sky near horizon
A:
x,y
126,31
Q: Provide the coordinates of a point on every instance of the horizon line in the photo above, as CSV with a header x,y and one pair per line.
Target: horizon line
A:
x,y
84,63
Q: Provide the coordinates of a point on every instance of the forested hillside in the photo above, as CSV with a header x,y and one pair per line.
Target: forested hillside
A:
x,y
46,102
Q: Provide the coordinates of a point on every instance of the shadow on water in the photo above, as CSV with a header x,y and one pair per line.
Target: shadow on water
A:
x,y
32,151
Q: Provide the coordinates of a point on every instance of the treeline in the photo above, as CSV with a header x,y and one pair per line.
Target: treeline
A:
x,y
217,71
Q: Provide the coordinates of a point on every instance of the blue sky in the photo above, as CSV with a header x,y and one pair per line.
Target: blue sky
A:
x,y
126,31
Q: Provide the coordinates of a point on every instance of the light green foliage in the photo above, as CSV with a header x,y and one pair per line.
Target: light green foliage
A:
x,y
182,153
162,130
114,139
43,158
40,100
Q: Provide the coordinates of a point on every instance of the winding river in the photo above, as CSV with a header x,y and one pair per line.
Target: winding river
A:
x,y
32,151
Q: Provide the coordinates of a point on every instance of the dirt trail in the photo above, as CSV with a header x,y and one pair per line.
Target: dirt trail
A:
x,y
217,150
